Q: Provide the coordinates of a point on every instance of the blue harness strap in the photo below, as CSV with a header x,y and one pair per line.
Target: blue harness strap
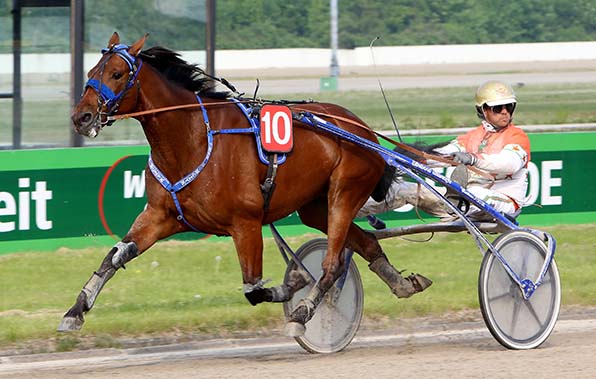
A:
x,y
104,92
255,128
122,51
174,188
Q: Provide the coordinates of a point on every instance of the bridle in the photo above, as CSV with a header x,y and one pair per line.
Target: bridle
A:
x,y
106,98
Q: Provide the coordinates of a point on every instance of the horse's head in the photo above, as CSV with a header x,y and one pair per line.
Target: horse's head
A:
x,y
109,86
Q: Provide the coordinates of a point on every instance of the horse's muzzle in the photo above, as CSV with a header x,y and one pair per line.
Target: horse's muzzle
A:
x,y
86,124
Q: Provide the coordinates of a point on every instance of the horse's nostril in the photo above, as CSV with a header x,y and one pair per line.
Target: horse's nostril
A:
x,y
83,118
86,117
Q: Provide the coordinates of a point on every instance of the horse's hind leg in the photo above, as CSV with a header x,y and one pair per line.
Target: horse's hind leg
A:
x,y
141,236
367,246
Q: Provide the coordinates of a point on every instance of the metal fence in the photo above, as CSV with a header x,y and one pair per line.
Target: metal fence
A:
x,y
36,98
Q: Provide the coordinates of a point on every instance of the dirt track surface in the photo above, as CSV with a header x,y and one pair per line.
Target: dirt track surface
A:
x,y
419,349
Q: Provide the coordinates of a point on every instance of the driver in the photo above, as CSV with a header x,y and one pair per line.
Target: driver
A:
x,y
496,147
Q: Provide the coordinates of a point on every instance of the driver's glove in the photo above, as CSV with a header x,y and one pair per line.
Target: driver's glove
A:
x,y
464,158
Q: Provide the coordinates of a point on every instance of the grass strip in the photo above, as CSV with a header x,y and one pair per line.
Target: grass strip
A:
x,y
195,288
48,122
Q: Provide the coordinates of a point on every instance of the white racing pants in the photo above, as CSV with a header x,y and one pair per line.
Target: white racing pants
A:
x,y
401,193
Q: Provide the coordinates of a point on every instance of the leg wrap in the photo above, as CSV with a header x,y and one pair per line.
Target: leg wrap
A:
x,y
279,294
400,286
125,251
118,255
306,307
256,293
94,286
297,280
270,295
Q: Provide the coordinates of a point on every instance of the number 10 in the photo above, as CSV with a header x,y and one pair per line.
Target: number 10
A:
x,y
272,126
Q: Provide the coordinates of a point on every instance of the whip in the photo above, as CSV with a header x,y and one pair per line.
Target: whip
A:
x,y
381,87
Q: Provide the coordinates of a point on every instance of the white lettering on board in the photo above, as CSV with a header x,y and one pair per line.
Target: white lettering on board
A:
x,y
533,185
548,182
134,185
22,209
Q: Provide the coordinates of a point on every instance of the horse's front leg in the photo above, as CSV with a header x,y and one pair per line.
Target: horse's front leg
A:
x,y
248,240
145,231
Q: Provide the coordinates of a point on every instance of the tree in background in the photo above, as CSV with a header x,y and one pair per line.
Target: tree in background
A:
x,y
256,24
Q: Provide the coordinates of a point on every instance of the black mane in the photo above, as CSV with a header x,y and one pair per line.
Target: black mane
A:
x,y
184,74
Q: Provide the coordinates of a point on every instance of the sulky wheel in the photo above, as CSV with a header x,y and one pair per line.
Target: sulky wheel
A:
x,y
338,316
515,322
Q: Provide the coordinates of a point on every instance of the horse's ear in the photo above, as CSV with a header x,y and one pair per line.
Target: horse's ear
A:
x,y
114,40
136,47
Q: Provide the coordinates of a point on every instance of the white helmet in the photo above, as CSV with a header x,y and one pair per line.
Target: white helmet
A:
x,y
494,93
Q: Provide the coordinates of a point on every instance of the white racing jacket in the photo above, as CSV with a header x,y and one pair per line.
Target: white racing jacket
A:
x,y
503,154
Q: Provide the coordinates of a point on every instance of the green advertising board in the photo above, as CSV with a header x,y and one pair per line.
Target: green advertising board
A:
x,y
90,196
559,180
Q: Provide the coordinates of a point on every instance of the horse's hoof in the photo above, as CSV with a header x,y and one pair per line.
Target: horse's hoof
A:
x,y
294,329
70,324
411,285
419,282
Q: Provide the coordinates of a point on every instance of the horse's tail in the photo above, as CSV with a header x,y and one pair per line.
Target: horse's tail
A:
x,y
380,191
391,173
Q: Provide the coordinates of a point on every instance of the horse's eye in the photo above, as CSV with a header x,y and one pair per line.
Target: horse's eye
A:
x,y
117,75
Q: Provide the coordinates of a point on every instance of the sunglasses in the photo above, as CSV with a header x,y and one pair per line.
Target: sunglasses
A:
x,y
498,108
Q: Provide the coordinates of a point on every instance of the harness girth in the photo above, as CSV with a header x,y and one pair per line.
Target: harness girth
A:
x,y
268,185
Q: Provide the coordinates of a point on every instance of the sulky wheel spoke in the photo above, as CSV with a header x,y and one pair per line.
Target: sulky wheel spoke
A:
x,y
530,308
517,306
515,316
499,297
533,312
513,287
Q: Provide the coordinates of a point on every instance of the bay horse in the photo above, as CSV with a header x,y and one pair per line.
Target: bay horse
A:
x,y
204,174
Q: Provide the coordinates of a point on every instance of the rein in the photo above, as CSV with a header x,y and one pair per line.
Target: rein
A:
x,y
400,144
171,108
355,123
